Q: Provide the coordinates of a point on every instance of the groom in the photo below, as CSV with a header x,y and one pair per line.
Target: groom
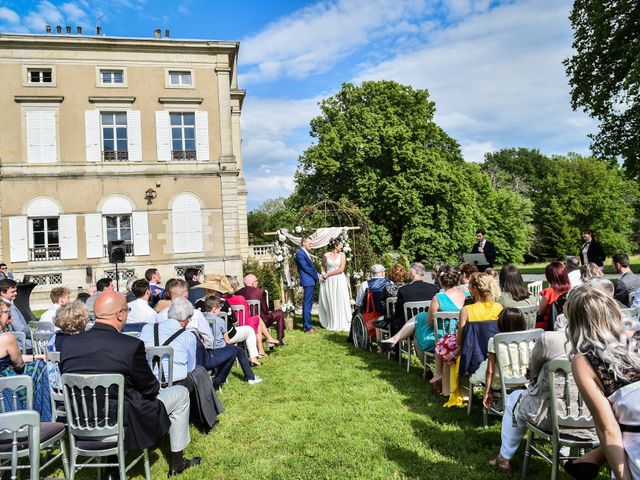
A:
x,y
309,276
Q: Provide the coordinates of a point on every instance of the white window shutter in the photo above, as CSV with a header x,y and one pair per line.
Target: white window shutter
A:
x,y
18,240
202,136
134,136
92,135
163,136
49,152
140,223
34,136
194,227
93,234
180,232
68,237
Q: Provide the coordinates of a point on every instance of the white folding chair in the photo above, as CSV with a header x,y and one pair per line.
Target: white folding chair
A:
x,y
161,362
448,323
55,386
254,307
513,351
96,431
530,312
390,307
411,309
48,435
240,313
535,288
572,415
40,342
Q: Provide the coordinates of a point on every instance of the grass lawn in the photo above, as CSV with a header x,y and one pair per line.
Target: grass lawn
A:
x,y
328,411
538,268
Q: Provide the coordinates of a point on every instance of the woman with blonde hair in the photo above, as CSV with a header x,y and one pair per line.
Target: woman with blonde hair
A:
x,y
71,319
607,371
485,290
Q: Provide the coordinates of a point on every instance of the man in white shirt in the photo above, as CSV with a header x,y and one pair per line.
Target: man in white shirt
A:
x,y
59,296
141,313
178,289
573,269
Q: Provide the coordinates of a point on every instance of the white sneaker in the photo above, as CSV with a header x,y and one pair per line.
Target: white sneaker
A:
x,y
255,381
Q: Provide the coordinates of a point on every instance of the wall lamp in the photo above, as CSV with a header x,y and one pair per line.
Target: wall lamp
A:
x,y
150,195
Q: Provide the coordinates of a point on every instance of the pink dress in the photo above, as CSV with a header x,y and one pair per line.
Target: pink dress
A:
x,y
253,322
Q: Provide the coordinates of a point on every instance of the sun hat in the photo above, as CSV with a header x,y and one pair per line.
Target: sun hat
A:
x,y
218,283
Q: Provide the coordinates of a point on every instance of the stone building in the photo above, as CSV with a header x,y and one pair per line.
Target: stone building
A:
x,y
110,138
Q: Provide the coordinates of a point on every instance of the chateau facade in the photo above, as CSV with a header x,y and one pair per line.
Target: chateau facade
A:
x,y
109,138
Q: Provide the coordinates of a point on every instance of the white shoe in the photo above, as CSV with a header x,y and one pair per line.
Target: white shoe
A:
x,y
255,381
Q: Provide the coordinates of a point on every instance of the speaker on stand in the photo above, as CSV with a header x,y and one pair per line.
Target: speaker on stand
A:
x,y
117,254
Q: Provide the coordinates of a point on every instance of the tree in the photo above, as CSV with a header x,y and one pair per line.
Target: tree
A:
x,y
263,219
520,168
604,74
378,146
585,193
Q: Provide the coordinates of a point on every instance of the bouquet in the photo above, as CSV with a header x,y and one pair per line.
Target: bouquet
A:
x,y
446,346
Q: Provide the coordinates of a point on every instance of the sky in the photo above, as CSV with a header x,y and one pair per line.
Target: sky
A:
x,y
493,67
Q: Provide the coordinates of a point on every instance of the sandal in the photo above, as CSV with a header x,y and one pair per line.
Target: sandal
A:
x,y
501,463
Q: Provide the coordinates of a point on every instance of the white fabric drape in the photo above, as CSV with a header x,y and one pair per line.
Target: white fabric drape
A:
x,y
320,238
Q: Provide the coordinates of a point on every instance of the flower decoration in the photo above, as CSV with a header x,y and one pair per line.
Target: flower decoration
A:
x,y
298,229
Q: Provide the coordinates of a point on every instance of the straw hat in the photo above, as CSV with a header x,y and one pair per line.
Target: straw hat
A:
x,y
219,283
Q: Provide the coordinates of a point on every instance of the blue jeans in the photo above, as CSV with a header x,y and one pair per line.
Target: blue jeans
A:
x,y
306,307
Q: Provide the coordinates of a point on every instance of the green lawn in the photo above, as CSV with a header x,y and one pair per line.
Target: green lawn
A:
x,y
328,411
538,268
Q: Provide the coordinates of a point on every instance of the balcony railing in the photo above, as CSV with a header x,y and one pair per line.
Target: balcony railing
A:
x,y
128,249
264,252
41,254
111,156
183,155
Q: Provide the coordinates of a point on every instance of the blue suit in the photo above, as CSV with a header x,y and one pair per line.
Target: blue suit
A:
x,y
308,279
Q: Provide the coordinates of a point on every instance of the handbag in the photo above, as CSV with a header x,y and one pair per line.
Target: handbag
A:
x,y
370,315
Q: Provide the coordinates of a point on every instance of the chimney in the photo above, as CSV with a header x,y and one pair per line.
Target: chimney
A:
x,y
157,33
166,33
48,28
58,29
79,30
68,30
98,31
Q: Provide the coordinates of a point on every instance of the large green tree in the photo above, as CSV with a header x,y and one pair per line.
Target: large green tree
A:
x,y
378,146
604,74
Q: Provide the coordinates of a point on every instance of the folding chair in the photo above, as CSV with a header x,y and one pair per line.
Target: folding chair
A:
x,y
254,307
411,309
161,362
46,436
40,342
240,313
448,323
571,416
530,312
513,350
94,430
17,446
535,288
41,326
55,387
479,332
390,307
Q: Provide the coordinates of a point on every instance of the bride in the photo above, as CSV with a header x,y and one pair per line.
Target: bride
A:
x,y
335,300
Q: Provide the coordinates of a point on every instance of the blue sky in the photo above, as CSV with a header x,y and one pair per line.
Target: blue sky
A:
x,y
493,67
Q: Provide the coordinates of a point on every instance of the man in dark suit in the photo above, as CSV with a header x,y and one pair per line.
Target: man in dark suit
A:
x,y
628,282
148,412
416,291
309,276
484,246
251,291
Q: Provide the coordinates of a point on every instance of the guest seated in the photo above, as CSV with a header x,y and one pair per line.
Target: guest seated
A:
x,y
416,291
251,291
397,277
607,372
71,319
104,284
130,295
217,286
559,285
466,270
590,270
171,332
212,307
374,286
254,321
628,282
8,292
59,296
514,293
141,313
149,413
573,270
152,275
484,289
534,404
12,363
510,320
193,277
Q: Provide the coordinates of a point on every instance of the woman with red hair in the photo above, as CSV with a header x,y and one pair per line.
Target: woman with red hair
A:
x,y
559,284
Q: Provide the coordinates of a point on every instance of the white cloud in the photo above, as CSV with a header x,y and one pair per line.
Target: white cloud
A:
x,y
497,77
474,151
313,39
8,15
265,117
263,187
266,151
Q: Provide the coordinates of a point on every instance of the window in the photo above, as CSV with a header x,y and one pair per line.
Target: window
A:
x,y
47,279
114,136
180,78
112,77
45,239
118,227
40,75
183,136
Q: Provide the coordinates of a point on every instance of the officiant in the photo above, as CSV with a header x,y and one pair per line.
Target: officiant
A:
x,y
486,247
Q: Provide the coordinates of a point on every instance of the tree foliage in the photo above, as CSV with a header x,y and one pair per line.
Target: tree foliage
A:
x,y
604,74
378,146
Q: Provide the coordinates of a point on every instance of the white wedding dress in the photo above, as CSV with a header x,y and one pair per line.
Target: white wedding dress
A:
x,y
334,308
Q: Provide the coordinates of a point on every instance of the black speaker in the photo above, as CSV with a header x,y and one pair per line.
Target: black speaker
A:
x,y
117,252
